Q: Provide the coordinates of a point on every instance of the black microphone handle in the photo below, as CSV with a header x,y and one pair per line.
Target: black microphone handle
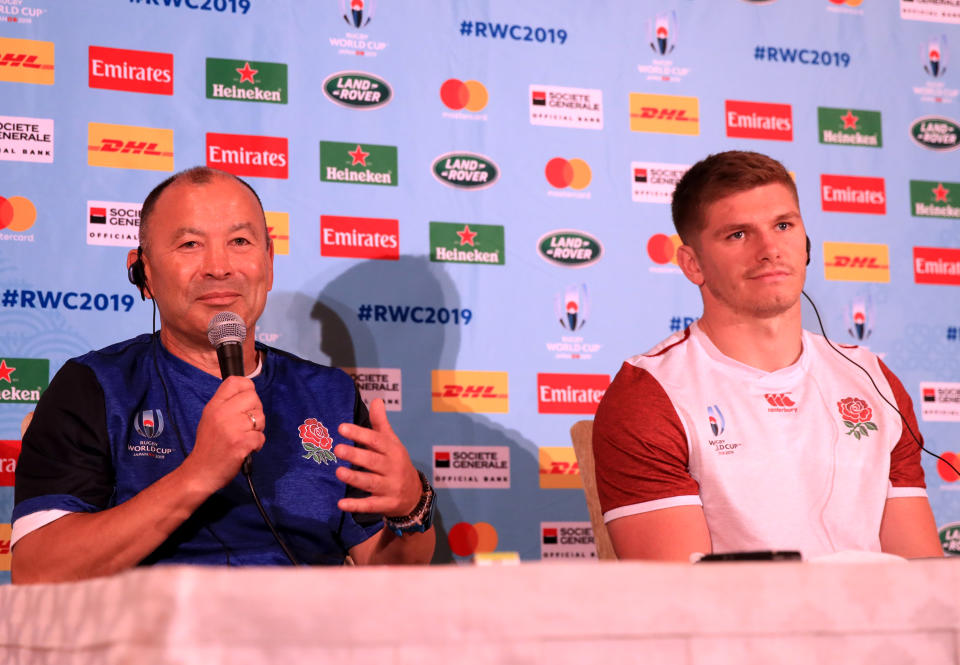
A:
x,y
230,356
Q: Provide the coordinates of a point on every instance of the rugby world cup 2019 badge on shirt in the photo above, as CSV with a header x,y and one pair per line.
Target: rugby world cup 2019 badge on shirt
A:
x,y
857,416
316,441
149,425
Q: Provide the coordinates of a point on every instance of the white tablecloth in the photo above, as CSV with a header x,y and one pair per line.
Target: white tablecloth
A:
x,y
612,612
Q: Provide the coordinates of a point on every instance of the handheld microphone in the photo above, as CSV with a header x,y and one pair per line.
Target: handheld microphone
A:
x,y
226,333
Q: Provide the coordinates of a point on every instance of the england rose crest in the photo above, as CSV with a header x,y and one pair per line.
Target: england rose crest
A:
x,y
856,416
316,441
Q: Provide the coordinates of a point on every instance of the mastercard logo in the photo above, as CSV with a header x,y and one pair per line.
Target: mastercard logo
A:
x,y
663,248
851,3
16,213
469,95
563,173
948,474
467,539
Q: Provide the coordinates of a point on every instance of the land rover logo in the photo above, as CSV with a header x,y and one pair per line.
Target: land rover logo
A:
x,y
357,90
570,249
935,133
465,170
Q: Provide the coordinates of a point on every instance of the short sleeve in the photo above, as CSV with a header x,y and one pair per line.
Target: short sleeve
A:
x,y
640,448
65,461
906,471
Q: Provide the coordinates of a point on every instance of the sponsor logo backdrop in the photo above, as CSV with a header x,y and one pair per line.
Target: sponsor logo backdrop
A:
x,y
538,146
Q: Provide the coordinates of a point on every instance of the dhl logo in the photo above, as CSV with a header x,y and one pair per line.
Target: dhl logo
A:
x,y
467,392
664,114
132,147
559,468
129,147
680,115
26,61
278,228
22,60
856,262
473,392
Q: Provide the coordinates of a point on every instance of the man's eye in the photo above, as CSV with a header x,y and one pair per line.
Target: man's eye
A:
x,y
241,241
736,235
783,226
189,244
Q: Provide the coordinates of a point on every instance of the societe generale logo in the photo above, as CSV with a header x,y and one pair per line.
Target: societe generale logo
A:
x,y
758,120
469,391
248,155
130,71
359,237
559,468
664,114
26,61
856,262
570,393
848,193
129,147
936,265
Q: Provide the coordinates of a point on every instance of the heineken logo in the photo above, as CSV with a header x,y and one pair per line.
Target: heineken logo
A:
x,y
950,538
935,133
357,90
23,379
465,170
358,163
854,127
466,243
570,249
247,80
929,198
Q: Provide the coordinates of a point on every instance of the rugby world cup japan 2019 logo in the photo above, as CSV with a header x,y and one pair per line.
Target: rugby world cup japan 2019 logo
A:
x,y
149,423
360,12
716,420
316,441
856,416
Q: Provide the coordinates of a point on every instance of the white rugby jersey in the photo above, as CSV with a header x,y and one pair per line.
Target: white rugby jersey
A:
x,y
803,458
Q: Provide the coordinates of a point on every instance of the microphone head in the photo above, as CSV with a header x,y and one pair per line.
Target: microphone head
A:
x,y
226,327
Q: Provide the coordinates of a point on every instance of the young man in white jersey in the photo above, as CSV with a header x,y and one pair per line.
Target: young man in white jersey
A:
x,y
745,432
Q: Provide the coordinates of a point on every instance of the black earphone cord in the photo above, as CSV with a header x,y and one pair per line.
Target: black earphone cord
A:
x,y
892,406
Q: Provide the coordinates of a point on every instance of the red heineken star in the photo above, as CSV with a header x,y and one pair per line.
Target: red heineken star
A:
x,y
467,236
5,371
247,73
850,120
359,156
940,192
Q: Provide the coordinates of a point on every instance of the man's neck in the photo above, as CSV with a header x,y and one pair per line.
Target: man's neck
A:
x,y
768,344
204,356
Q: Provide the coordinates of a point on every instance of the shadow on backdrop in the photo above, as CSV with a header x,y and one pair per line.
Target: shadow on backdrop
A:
x,y
343,340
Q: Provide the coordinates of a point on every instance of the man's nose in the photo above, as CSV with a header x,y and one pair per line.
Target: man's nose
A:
x,y
216,262
769,246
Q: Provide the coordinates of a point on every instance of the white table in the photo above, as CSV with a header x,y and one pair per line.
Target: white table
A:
x,y
583,613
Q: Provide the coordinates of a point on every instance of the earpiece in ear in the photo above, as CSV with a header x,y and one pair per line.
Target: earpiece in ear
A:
x,y
808,250
137,274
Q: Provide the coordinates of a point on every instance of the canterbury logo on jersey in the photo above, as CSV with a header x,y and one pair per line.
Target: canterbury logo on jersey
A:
x,y
781,403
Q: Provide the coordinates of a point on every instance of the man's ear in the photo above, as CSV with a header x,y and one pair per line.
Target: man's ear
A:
x,y
690,264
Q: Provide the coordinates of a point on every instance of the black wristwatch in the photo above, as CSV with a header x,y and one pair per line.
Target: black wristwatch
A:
x,y
421,518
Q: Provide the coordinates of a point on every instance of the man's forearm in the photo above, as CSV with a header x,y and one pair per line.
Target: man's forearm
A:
x,y
83,545
386,548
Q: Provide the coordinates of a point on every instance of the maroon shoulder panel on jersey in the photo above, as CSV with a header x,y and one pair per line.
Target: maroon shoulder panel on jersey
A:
x,y
639,444
905,467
